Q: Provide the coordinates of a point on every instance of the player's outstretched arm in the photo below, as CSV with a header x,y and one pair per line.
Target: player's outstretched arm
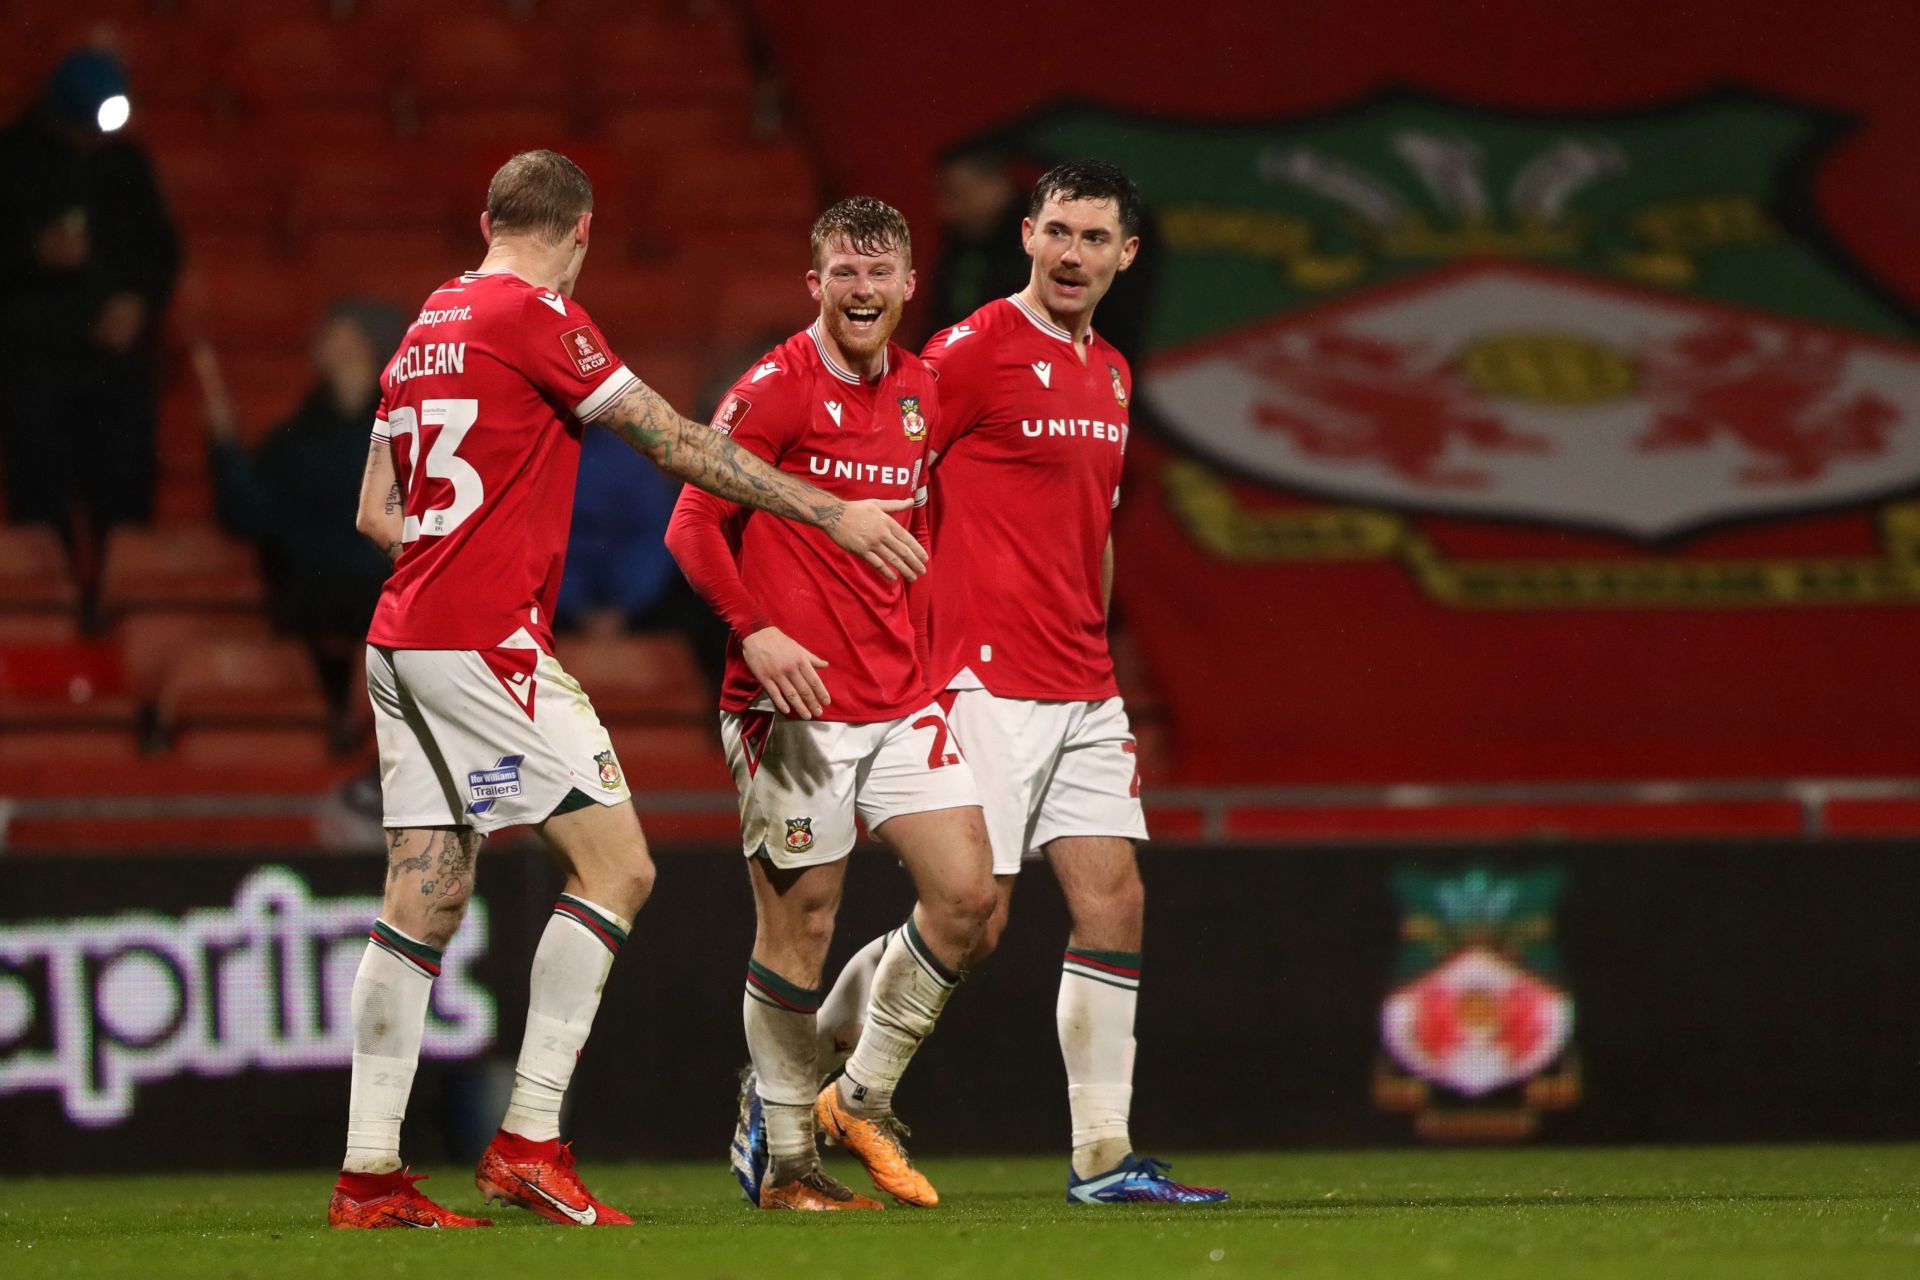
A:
x,y
705,458
381,518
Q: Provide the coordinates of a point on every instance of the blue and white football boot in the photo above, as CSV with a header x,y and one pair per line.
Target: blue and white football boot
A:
x,y
748,1155
1137,1180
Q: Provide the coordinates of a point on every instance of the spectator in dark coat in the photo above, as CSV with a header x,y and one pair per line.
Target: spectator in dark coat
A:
x,y
294,492
88,259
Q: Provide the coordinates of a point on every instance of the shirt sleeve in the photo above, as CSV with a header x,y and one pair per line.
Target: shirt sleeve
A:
x,y
567,357
958,360
704,539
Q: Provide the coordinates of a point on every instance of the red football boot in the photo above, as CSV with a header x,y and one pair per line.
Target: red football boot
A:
x,y
367,1201
539,1177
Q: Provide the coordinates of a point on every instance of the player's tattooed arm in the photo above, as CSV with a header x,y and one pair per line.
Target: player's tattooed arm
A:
x,y
709,460
382,514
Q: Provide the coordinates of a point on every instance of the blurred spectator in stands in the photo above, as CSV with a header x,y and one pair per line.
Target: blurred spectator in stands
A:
x,y
88,258
981,254
294,492
618,575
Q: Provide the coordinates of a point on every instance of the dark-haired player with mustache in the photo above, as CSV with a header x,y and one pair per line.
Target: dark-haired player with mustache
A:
x,y
1025,472
827,712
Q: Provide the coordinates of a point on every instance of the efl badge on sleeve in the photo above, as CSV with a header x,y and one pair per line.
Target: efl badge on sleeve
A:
x,y
910,419
609,769
583,348
799,835
1476,1035
1119,387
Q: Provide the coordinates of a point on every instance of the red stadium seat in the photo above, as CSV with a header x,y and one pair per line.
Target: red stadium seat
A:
x,y
219,698
644,59
224,184
244,306
35,574
296,64
655,128
487,58
63,686
767,186
187,566
150,642
637,679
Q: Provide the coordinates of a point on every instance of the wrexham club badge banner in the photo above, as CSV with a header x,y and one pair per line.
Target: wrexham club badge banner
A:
x,y
1486,443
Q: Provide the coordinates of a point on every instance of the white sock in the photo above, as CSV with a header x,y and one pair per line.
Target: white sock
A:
x,y
910,988
1098,992
779,1018
570,968
391,990
843,1016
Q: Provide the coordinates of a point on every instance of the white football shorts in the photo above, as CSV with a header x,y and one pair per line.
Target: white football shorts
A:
x,y
1048,769
802,781
484,738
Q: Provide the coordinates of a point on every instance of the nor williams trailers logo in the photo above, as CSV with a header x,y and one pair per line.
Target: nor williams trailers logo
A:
x,y
1410,310
90,1008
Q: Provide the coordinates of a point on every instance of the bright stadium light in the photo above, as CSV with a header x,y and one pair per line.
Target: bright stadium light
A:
x,y
114,112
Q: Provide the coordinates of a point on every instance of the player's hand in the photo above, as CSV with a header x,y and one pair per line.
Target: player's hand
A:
x,y
867,528
787,672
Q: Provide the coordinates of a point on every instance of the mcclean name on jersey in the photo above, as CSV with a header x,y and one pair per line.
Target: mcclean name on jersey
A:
x,y
1087,427
871,472
429,358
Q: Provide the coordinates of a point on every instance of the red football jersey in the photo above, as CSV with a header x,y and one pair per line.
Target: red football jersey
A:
x,y
484,405
801,411
1023,476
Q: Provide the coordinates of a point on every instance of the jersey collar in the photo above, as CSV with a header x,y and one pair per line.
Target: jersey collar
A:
x,y
833,366
1045,325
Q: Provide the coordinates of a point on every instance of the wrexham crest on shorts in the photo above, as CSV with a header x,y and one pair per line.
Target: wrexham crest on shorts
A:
x,y
799,835
910,419
609,769
1375,321
1476,1035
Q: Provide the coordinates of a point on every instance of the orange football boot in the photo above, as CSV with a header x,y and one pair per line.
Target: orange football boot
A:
x,y
875,1144
539,1177
369,1201
814,1190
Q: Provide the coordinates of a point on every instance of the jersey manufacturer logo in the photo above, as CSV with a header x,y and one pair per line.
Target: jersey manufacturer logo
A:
x,y
833,411
958,332
1119,388
1043,369
732,410
799,835
554,300
583,348
910,419
609,769
764,370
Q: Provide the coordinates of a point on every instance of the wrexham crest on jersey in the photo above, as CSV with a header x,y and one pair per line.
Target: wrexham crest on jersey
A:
x,y
1477,1032
910,420
1410,310
1119,387
799,835
609,769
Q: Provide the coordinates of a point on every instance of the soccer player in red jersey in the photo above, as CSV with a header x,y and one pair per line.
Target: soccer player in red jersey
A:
x,y
1024,473
469,486
827,713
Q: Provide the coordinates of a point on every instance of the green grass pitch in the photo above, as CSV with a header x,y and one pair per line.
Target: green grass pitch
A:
x,y
1756,1213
